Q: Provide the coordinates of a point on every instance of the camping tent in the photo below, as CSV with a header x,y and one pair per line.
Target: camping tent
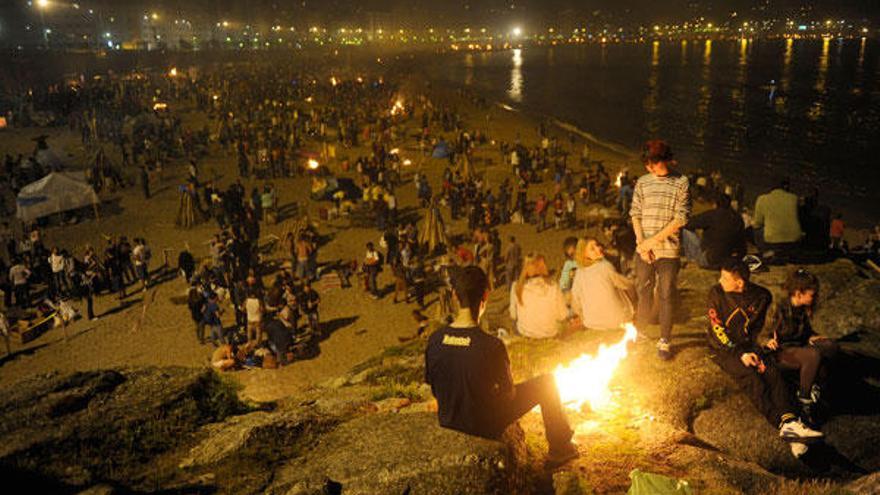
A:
x,y
433,232
441,150
54,193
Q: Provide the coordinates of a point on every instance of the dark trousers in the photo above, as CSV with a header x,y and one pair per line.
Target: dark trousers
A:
x,y
22,295
767,391
663,274
90,305
7,295
372,284
200,332
542,391
810,360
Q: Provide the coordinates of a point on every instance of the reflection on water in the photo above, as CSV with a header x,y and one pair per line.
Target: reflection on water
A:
x,y
514,91
468,69
650,104
705,96
862,53
785,83
736,125
709,99
822,70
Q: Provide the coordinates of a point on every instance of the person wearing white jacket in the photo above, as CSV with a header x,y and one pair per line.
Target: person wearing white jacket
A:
x,y
536,301
599,295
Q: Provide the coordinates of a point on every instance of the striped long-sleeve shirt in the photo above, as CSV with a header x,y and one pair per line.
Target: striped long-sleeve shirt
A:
x,y
656,202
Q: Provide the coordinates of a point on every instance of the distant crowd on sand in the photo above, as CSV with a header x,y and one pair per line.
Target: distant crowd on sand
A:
x,y
277,122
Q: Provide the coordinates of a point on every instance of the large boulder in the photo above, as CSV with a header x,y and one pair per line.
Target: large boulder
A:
x,y
109,425
393,453
735,427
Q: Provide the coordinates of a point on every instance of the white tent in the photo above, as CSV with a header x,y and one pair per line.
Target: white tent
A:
x,y
55,193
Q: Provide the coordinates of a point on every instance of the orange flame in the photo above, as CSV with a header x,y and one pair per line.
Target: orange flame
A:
x,y
586,379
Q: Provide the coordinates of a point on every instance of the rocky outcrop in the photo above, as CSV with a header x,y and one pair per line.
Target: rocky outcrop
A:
x,y
106,425
372,430
394,453
183,430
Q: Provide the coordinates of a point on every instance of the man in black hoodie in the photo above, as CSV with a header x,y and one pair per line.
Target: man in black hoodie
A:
x,y
724,235
737,309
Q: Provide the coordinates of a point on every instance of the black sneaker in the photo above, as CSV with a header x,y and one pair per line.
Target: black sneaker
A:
x,y
809,409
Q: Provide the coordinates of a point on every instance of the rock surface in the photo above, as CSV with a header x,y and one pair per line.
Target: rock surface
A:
x,y
106,425
391,453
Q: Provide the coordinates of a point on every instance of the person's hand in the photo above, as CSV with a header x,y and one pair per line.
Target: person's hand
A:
x,y
646,245
647,256
750,360
772,344
817,338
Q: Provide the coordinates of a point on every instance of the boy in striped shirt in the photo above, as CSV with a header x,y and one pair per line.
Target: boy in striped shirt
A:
x,y
660,207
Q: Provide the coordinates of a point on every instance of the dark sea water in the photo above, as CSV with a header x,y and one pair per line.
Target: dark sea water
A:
x,y
711,101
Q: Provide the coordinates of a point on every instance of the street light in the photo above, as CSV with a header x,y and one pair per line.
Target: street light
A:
x,y
41,6
517,31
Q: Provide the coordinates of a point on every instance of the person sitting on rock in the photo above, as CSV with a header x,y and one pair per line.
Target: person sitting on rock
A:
x,y
223,358
797,345
469,374
737,309
536,302
600,297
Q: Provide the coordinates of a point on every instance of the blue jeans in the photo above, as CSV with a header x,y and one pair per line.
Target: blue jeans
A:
x,y
691,248
302,267
663,274
217,334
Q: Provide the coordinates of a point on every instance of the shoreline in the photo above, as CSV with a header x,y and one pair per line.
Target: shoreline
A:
x,y
858,220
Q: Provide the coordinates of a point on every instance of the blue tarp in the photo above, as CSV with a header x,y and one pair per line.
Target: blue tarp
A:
x,y
441,150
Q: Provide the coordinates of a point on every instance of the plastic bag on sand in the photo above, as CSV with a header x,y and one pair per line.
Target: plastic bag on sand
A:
x,y
656,484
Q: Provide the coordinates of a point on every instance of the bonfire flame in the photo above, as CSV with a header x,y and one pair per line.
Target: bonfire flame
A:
x,y
397,108
586,379
619,181
313,164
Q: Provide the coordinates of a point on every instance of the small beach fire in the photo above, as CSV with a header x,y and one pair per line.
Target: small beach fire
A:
x,y
618,182
586,379
397,108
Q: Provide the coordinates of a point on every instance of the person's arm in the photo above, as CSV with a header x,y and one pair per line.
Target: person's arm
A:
x,y
680,219
506,390
576,296
758,218
635,213
619,281
720,335
512,305
700,221
561,308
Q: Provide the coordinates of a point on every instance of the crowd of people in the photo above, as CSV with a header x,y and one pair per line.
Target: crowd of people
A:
x,y
269,121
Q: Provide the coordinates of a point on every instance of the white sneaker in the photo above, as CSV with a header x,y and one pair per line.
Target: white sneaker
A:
x,y
798,449
794,431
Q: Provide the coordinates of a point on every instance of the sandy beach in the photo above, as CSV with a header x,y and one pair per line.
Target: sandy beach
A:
x,y
359,326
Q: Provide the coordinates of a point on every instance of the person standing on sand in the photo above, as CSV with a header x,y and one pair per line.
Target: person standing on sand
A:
x,y
661,207
211,318
254,308
372,266
196,303
145,181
